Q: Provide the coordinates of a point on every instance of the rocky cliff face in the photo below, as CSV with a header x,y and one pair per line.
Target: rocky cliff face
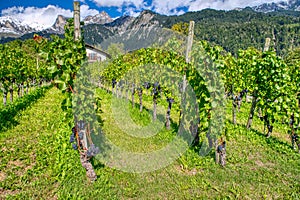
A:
x,y
145,19
101,18
135,32
58,26
120,25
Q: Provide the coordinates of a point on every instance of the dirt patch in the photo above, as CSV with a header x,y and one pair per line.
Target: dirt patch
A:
x,y
29,167
3,149
21,167
17,163
256,159
2,176
254,155
4,193
192,172
259,163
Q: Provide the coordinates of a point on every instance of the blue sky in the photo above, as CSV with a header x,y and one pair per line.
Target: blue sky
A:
x,y
66,4
42,13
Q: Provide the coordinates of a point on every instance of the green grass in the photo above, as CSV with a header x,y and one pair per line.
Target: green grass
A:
x,y
37,162
280,131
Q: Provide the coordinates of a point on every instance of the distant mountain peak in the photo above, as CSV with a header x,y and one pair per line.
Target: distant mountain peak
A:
x,y
147,12
101,18
59,24
14,26
293,5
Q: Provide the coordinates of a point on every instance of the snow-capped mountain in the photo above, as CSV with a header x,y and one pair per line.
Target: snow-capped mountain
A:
x,y
101,26
282,5
14,27
101,18
10,27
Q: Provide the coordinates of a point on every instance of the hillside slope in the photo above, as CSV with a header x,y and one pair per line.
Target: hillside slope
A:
x,y
233,30
37,162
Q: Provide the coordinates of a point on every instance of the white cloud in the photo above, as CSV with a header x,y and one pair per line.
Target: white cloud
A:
x,y
12,10
172,7
37,17
132,12
120,3
86,11
169,7
225,4
41,18
45,17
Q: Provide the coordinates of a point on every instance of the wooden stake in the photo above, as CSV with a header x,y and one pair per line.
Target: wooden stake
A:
x,y
267,44
189,42
77,32
188,51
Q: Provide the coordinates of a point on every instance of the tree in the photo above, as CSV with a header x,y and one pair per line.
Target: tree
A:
x,y
181,27
115,49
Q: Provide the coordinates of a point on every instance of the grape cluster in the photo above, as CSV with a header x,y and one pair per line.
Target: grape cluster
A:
x,y
72,137
80,135
230,94
170,100
92,151
81,125
140,89
292,120
243,92
156,89
113,82
133,88
240,96
147,85
295,137
74,146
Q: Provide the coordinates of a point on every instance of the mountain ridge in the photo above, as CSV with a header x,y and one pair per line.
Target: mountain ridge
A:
x,y
18,28
291,5
233,29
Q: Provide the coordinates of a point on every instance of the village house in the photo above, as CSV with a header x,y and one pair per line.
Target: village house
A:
x,y
95,54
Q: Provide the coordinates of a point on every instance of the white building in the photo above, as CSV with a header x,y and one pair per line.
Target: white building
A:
x,y
95,54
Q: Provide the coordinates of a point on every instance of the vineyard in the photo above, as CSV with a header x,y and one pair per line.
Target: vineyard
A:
x,y
147,124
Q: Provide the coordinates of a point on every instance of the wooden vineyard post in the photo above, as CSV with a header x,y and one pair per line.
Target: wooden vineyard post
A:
x,y
77,32
267,44
187,59
77,36
274,40
82,128
188,51
4,90
190,42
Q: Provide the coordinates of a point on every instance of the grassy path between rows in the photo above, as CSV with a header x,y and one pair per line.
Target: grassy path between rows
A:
x,y
24,170
37,162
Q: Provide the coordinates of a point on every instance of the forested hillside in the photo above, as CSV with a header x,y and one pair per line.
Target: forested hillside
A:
x,y
235,29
